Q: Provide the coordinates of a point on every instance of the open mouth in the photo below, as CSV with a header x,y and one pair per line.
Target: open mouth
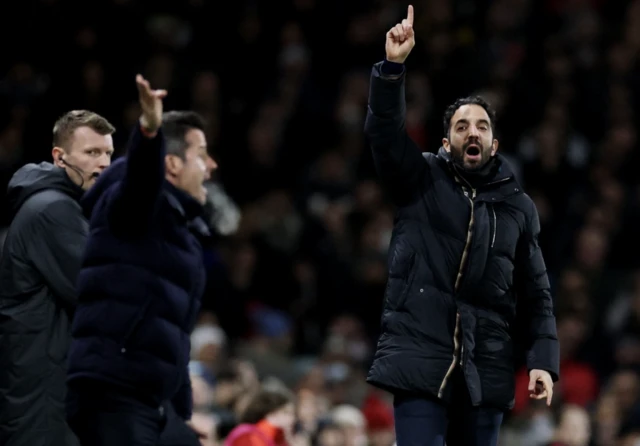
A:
x,y
473,150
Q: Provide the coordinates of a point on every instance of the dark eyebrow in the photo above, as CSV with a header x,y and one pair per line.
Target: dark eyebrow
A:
x,y
466,121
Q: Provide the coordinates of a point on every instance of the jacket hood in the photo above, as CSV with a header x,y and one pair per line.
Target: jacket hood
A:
x,y
33,178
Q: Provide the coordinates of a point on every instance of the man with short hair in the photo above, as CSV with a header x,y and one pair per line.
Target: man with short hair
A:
x,y
38,269
89,132
186,146
464,250
141,282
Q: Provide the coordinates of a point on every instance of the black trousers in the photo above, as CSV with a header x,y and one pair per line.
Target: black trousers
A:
x,y
429,422
109,417
176,432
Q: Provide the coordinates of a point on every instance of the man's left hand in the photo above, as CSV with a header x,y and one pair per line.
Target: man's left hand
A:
x,y
151,104
202,435
540,385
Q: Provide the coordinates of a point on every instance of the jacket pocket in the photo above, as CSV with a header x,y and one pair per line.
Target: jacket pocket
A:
x,y
401,276
493,338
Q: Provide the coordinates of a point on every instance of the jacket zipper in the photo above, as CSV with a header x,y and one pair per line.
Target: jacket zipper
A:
x,y
495,225
456,342
458,350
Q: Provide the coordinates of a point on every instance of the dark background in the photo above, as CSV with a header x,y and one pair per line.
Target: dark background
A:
x,y
297,288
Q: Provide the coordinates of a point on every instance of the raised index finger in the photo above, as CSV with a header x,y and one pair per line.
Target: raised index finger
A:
x,y
142,84
410,15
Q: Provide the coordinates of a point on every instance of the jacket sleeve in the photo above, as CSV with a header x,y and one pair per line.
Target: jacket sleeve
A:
x,y
543,351
135,201
183,399
397,159
57,251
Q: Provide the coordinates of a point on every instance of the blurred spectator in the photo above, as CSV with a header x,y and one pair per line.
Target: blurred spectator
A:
x,y
352,422
574,428
268,420
379,417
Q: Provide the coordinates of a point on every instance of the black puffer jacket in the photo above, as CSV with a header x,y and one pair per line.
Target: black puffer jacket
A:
x,y
459,260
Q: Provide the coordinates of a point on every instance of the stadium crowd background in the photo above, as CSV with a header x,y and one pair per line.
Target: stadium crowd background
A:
x,y
296,287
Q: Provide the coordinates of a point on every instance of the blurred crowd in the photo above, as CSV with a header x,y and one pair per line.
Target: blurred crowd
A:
x,y
298,271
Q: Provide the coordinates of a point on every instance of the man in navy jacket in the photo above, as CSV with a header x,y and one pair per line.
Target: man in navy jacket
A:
x,y
141,282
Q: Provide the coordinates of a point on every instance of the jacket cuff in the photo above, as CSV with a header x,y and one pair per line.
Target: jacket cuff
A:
x,y
389,68
147,133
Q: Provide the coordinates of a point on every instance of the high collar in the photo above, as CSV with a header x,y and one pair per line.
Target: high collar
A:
x,y
497,170
190,206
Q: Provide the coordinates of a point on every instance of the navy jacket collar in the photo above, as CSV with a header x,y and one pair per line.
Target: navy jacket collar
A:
x,y
188,208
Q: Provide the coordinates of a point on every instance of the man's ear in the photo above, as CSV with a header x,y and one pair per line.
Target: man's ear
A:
x,y
494,147
446,144
56,154
173,165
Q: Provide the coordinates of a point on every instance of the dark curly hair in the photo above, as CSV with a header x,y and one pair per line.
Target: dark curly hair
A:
x,y
476,100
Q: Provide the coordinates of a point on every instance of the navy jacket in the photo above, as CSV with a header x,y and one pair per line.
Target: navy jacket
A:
x,y
462,258
141,281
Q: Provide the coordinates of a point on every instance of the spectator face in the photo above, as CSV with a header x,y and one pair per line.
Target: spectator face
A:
x,y
331,436
625,387
575,427
226,392
284,418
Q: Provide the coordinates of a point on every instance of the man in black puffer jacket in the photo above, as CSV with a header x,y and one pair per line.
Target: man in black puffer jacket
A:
x,y
141,283
464,250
